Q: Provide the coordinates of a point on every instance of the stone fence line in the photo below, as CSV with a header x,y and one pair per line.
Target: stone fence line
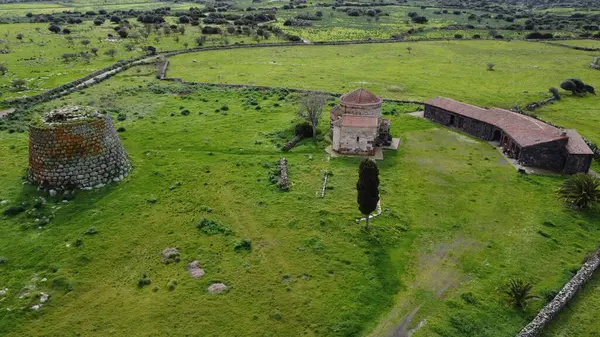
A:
x,y
567,45
567,293
122,65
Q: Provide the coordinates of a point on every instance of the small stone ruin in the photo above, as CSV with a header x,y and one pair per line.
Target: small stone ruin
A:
x,y
75,148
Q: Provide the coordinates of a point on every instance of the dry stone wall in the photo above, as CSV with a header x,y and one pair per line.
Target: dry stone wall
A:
x,y
76,154
564,296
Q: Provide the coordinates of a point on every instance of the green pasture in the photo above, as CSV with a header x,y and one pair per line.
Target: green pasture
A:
x,y
582,43
457,222
37,58
523,73
21,9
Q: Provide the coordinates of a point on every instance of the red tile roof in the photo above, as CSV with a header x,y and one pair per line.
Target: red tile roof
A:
x,y
359,121
525,130
360,96
576,144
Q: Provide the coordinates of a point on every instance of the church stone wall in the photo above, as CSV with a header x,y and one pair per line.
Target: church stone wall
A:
x,y
76,154
356,141
363,109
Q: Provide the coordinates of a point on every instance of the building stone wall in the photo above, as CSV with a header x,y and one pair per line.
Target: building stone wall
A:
x,y
550,156
80,153
576,163
363,109
349,140
471,126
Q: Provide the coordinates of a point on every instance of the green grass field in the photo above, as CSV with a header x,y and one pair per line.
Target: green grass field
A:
x,y
457,219
20,9
37,58
458,69
582,43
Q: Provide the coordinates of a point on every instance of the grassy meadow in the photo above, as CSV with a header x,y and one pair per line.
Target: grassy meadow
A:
x,y
457,223
582,43
37,58
523,73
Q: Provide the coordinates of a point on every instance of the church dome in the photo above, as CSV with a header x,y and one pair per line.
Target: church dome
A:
x,y
360,96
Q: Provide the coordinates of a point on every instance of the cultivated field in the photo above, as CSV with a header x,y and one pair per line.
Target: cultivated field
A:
x,y
457,223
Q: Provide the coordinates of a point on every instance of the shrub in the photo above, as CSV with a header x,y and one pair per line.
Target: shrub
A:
x,y
243,244
212,227
91,231
121,129
121,117
303,129
419,19
144,281
581,190
14,210
519,292
3,260
171,285
469,298
490,66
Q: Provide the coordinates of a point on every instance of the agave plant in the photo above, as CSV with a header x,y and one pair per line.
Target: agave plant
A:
x,y
519,292
581,190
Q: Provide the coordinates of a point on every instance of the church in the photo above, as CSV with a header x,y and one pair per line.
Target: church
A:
x,y
356,124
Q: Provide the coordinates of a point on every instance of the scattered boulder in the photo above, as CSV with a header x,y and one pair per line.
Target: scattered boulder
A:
x,y
194,269
217,288
3,291
44,297
170,255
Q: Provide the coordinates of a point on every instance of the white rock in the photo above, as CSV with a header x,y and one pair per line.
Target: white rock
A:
x,y
36,307
3,202
52,193
44,297
99,186
217,288
3,291
68,245
44,279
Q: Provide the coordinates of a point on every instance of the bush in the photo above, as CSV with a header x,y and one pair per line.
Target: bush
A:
x,y
121,117
144,281
3,260
171,285
91,231
519,292
121,129
243,244
419,19
212,227
303,129
469,298
581,190
14,210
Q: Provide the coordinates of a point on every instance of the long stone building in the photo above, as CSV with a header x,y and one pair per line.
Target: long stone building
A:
x,y
528,140
356,124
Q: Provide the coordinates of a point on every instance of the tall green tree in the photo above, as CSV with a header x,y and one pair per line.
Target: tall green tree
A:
x,y
367,188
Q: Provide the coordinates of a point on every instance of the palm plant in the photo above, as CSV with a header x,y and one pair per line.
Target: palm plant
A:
x,y
581,190
519,292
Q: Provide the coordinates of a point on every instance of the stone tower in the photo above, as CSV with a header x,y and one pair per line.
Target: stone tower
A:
x,y
75,147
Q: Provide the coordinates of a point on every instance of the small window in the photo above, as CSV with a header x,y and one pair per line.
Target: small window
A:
x,y
357,139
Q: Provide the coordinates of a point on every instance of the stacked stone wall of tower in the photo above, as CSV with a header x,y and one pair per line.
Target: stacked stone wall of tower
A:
x,y
76,154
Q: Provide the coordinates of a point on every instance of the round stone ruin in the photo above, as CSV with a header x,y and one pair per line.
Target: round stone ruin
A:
x,y
75,148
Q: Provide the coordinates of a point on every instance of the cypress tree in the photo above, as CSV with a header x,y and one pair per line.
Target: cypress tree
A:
x,y
367,188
